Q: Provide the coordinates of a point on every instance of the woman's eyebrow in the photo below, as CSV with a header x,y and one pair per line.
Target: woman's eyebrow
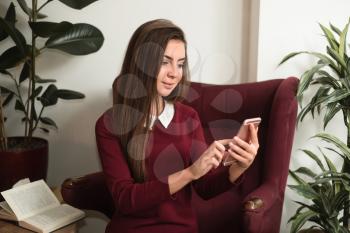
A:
x,y
170,58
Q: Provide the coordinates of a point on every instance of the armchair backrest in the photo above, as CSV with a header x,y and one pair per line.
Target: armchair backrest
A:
x,y
222,108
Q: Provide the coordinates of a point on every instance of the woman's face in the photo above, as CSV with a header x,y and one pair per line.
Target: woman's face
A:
x,y
171,70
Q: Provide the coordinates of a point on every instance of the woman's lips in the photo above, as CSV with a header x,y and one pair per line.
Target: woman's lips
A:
x,y
168,85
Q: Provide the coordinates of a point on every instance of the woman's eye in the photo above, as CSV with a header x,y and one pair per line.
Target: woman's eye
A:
x,y
180,65
165,62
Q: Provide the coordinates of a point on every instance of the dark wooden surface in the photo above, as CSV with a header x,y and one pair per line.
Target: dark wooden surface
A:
x,y
11,227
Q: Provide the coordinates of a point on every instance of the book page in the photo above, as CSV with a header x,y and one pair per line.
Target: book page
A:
x,y
7,216
6,207
54,218
30,199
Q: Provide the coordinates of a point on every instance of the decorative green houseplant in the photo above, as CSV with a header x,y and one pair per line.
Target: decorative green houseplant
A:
x,y
29,93
329,190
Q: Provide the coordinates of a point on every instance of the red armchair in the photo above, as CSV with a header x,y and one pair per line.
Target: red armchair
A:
x,y
255,206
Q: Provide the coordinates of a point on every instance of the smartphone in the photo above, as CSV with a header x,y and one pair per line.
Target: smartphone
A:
x,y
243,133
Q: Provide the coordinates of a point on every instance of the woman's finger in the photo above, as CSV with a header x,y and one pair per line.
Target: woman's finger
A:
x,y
214,162
239,158
254,135
239,150
219,145
243,144
218,155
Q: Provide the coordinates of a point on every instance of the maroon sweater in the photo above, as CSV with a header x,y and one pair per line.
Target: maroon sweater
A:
x,y
148,207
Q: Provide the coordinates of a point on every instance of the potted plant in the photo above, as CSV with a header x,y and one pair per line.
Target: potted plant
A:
x,y
32,95
330,78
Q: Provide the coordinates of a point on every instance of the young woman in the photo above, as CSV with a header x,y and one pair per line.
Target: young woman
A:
x,y
152,146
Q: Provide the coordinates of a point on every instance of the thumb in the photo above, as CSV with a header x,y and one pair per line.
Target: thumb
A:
x,y
225,141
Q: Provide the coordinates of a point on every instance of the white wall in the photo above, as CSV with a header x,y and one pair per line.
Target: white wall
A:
x,y
288,26
214,32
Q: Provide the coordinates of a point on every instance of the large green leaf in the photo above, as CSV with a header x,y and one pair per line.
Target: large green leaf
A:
x,y
24,72
307,78
16,36
300,208
297,178
305,191
336,56
36,92
306,171
335,29
335,141
327,79
289,56
19,106
315,158
336,152
338,95
48,121
69,95
47,29
330,37
8,99
77,4
41,80
27,10
332,168
322,92
304,111
11,58
325,204
5,90
339,200
332,109
300,220
49,97
80,39
323,58
342,42
320,98
9,17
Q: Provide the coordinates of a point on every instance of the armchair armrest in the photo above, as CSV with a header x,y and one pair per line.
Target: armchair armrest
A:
x,y
262,209
88,192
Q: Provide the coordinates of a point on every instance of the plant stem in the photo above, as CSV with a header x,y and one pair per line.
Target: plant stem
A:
x,y
32,73
3,138
346,167
36,123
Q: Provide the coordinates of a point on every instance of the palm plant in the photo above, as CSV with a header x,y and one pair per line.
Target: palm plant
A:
x,y
330,76
328,191
32,100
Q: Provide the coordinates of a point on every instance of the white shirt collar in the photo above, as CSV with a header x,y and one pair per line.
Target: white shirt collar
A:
x,y
166,116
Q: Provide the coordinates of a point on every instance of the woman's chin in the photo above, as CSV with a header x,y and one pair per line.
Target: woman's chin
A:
x,y
165,93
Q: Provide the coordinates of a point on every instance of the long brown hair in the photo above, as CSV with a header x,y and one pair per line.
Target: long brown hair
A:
x,y
135,89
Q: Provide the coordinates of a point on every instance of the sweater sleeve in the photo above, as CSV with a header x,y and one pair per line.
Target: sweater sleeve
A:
x,y
215,181
129,197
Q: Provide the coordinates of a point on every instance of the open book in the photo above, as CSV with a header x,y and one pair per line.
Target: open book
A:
x,y
36,208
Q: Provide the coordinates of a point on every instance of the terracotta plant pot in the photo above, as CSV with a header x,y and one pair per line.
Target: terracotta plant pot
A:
x,y
18,162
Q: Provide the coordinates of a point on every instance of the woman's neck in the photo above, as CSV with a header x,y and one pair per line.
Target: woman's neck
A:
x,y
160,106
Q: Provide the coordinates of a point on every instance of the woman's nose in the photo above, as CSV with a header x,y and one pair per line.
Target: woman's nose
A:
x,y
173,71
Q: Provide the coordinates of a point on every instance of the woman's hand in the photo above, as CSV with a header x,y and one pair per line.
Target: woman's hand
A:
x,y
244,153
211,158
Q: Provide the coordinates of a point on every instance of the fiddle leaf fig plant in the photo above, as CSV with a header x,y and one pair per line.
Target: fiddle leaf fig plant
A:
x,y
329,78
32,93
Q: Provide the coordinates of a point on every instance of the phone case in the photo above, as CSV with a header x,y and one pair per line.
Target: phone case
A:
x,y
243,134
